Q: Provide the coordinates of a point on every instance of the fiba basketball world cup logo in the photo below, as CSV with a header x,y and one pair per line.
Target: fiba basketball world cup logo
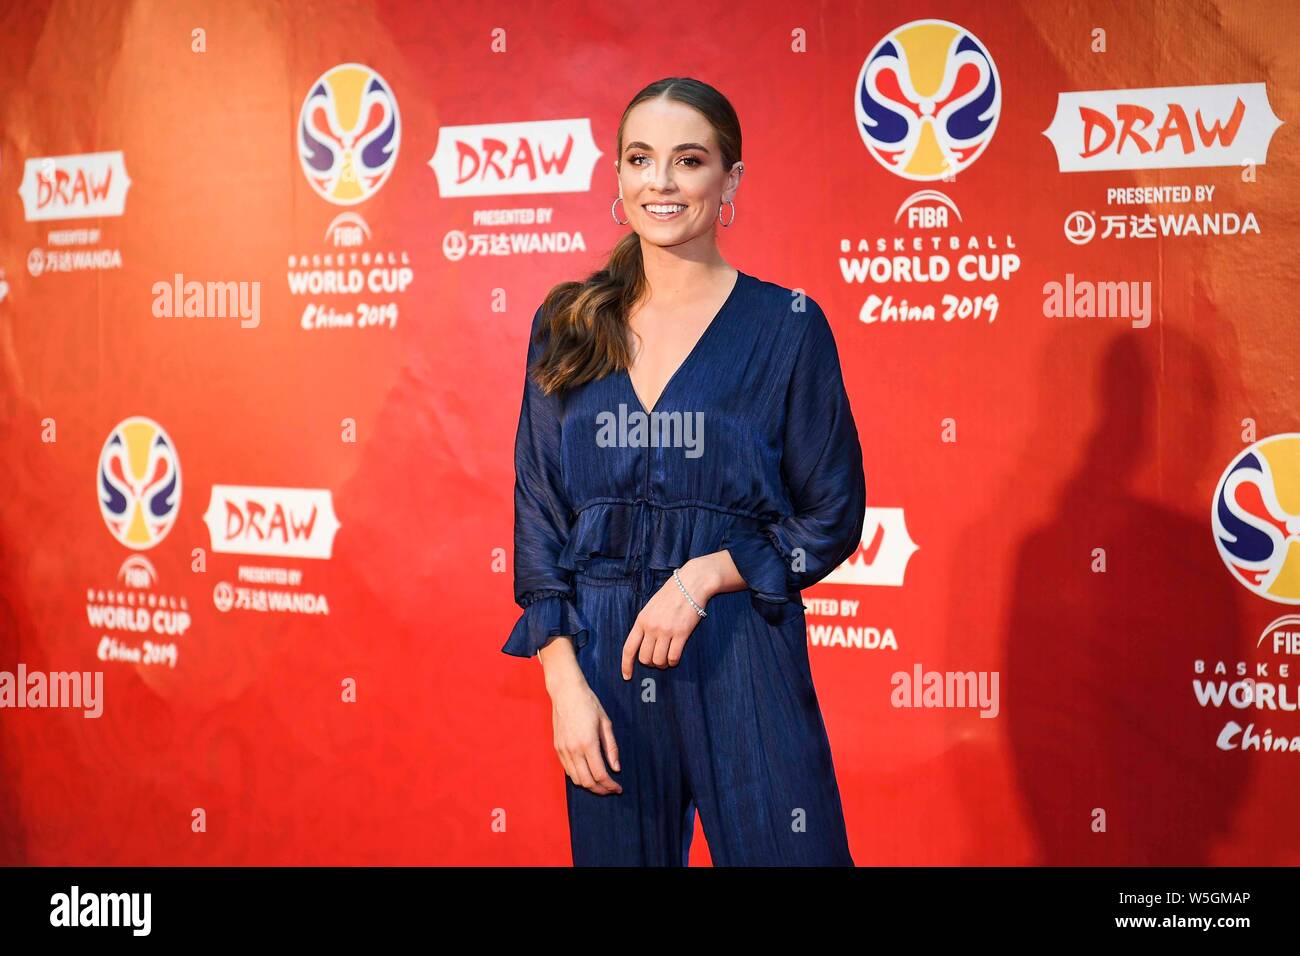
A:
x,y
348,134
927,100
1256,518
139,479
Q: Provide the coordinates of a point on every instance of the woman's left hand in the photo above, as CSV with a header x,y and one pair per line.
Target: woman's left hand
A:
x,y
660,631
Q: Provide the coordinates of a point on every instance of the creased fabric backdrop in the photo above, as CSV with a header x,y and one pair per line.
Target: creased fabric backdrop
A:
x,y
267,273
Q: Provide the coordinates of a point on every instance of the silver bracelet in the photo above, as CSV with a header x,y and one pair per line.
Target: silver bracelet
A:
x,y
698,610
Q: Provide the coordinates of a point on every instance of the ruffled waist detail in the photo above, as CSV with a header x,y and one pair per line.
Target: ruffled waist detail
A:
x,y
649,537
664,536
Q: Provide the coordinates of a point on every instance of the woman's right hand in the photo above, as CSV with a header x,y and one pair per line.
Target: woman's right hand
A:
x,y
580,722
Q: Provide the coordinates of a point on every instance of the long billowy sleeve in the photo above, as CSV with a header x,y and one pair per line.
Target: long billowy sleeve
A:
x,y
542,510
821,465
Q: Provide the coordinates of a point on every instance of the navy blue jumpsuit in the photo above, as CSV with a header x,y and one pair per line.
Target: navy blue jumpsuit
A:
x,y
734,729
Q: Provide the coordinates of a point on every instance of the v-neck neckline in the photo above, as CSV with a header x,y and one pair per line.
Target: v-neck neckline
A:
x,y
724,308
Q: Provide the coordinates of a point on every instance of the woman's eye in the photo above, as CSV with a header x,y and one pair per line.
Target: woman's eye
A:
x,y
691,159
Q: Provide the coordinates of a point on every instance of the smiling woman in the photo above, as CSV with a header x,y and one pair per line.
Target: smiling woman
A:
x,y
678,563
666,211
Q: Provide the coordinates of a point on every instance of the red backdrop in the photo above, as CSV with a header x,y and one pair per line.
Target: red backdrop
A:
x,y
331,510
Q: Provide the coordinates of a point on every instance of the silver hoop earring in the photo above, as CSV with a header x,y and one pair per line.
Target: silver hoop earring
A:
x,y
621,222
727,202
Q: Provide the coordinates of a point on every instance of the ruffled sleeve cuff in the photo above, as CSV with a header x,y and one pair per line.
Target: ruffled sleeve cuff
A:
x,y
764,570
547,614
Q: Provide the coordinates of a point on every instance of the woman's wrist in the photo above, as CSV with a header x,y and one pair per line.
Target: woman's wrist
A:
x,y
560,669
701,577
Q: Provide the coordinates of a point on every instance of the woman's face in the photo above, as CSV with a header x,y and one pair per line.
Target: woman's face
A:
x,y
670,174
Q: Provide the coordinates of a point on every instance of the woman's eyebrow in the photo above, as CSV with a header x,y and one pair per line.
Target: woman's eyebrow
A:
x,y
676,149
